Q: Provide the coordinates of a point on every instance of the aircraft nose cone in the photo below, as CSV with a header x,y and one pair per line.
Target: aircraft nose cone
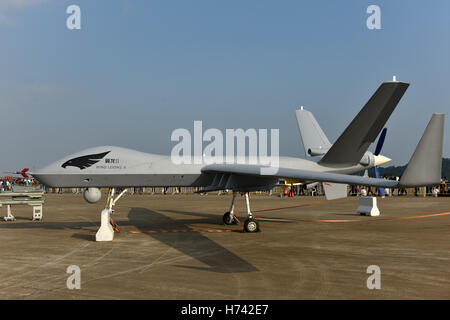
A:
x,y
380,160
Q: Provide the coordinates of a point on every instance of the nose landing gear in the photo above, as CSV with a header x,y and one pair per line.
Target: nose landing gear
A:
x,y
107,224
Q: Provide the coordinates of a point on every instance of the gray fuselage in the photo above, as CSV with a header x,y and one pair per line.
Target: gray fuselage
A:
x,y
119,167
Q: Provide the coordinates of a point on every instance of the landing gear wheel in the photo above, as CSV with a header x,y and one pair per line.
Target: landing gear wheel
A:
x,y
251,225
228,219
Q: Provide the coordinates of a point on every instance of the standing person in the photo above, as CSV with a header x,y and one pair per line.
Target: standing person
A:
x,y
291,191
302,190
398,189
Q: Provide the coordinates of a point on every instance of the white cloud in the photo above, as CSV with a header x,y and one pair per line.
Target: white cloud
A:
x,y
7,6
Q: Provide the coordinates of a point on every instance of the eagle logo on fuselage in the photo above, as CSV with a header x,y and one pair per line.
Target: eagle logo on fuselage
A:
x,y
84,162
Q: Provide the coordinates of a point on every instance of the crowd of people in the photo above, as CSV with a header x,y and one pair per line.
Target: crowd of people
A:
x,y
354,190
402,191
7,183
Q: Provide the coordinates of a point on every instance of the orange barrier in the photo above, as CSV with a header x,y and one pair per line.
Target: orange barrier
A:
x,y
417,217
383,219
285,220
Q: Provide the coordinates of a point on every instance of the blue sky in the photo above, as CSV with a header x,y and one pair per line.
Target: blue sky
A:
x,y
137,70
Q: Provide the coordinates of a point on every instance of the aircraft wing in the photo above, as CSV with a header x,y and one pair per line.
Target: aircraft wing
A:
x,y
224,172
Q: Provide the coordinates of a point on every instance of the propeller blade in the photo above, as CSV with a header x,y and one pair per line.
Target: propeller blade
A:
x,y
380,141
377,175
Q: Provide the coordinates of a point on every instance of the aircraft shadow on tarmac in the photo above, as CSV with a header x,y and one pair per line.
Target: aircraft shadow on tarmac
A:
x,y
29,224
193,244
213,219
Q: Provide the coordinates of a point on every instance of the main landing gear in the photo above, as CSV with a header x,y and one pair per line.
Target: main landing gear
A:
x,y
250,225
107,225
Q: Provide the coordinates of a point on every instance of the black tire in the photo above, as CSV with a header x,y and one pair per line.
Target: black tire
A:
x,y
251,225
229,219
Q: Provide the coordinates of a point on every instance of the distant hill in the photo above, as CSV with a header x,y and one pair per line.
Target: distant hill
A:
x,y
398,171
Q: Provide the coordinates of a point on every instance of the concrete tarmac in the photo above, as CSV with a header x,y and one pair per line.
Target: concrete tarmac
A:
x,y
176,247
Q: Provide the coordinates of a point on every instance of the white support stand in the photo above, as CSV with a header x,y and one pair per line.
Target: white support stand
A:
x,y
9,216
37,213
106,231
368,207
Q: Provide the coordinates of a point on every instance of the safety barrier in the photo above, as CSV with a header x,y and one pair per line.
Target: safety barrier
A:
x,y
22,196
